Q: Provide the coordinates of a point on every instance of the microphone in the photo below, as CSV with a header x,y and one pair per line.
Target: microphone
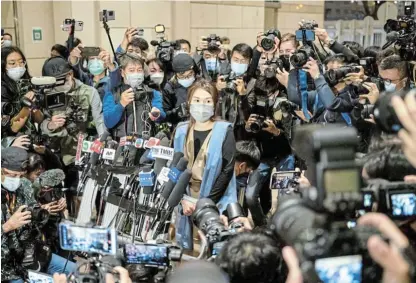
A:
x,y
128,186
174,199
159,162
173,175
144,159
41,81
146,178
96,153
50,178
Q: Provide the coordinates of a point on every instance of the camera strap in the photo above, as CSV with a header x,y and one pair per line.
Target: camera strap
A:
x,y
303,87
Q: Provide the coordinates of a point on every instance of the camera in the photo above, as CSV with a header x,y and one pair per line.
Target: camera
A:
x,y
395,199
333,76
151,255
368,109
107,15
230,86
268,43
40,216
369,65
165,50
305,33
207,218
276,63
182,110
212,41
385,116
98,268
301,56
261,111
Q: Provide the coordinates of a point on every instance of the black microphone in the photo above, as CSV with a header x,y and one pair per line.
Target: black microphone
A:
x,y
176,157
160,162
174,199
129,185
144,158
94,156
174,175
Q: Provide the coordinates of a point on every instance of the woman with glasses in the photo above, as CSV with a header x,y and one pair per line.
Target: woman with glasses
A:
x,y
17,103
174,99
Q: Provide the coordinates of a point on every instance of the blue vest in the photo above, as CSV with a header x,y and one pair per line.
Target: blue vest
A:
x,y
212,169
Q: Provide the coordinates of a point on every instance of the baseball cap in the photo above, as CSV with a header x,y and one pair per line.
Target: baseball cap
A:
x,y
182,63
56,67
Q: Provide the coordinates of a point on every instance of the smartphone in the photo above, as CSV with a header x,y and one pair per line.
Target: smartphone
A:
x,y
309,35
110,15
90,240
159,28
90,51
403,204
79,25
283,180
39,277
140,32
345,269
146,254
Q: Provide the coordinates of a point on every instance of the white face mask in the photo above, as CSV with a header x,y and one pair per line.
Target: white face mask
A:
x,y
157,78
7,43
16,73
201,112
11,183
134,79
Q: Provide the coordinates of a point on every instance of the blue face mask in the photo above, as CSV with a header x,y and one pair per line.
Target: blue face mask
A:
x,y
211,64
391,87
239,68
186,82
96,66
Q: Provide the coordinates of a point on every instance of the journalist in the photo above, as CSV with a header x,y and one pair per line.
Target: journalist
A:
x,y
335,46
132,43
394,71
157,73
6,40
59,50
184,45
118,106
21,117
176,89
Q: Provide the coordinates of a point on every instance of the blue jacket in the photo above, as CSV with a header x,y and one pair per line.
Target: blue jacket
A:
x,y
212,169
113,110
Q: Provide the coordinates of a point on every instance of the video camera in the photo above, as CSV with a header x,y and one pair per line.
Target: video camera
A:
x,y
165,49
207,218
268,43
212,41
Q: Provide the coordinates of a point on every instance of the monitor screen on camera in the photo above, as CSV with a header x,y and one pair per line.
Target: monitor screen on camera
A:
x,y
345,269
403,204
149,255
342,180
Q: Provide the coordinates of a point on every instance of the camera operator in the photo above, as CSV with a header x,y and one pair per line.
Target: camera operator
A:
x,y
208,62
21,118
236,88
132,93
97,67
335,46
394,71
132,43
176,89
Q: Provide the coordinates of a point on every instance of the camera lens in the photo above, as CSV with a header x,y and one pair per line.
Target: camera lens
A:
x,y
234,210
270,72
206,215
267,43
255,127
299,59
7,109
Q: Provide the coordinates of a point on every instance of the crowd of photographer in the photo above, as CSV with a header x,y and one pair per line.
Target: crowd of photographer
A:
x,y
191,148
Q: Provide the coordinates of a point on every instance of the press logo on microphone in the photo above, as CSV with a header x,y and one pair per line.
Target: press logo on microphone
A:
x,y
163,152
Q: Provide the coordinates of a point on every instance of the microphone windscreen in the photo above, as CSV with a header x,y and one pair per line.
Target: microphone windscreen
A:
x,y
132,154
104,136
94,156
182,164
180,188
176,157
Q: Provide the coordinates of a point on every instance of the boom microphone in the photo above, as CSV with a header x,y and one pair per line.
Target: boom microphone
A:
x,y
174,199
41,81
94,155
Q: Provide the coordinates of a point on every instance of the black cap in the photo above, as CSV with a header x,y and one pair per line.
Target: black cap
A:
x,y
14,158
182,63
56,67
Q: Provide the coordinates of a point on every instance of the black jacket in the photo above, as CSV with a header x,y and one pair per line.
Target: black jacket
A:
x,y
174,95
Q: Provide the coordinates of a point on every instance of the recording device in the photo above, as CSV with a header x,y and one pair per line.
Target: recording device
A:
x,y
207,218
301,56
281,63
306,32
97,269
146,254
74,115
370,66
50,184
284,180
39,277
165,49
230,85
234,211
67,24
367,110
315,221
107,15
268,43
384,114
40,216
395,199
333,76
260,111
212,41
89,51
85,239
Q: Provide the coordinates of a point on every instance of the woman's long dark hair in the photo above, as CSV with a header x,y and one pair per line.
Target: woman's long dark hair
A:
x,y
8,82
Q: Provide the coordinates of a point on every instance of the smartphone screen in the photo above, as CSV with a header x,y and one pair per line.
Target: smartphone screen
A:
x,y
90,240
345,269
149,255
403,204
38,277
283,180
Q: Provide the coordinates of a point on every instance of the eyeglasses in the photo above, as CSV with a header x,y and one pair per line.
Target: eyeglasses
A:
x,y
388,82
183,76
14,64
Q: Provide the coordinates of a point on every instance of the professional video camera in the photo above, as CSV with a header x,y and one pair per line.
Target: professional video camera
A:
x,y
272,65
212,40
397,199
333,76
165,49
268,43
317,221
402,33
207,218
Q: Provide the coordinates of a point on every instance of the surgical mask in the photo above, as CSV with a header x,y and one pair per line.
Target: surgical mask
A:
x,y
186,82
211,64
390,87
239,68
11,183
7,43
157,78
201,112
135,79
96,66
16,73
